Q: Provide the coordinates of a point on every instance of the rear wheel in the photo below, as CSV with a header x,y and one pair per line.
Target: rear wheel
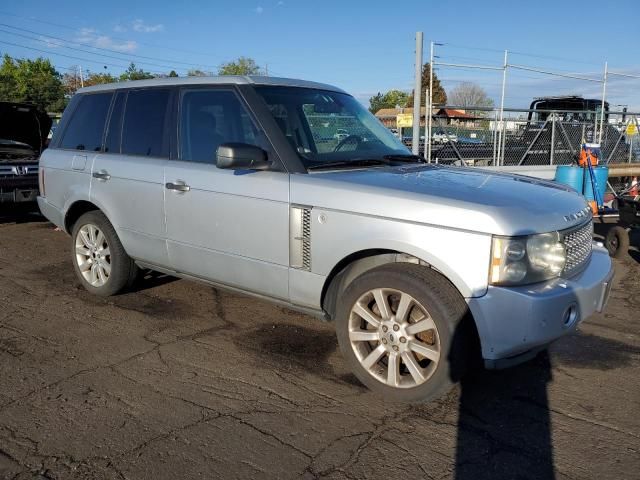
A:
x,y
99,259
396,326
617,242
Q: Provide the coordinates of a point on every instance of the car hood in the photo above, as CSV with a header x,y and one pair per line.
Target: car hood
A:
x,y
22,124
452,197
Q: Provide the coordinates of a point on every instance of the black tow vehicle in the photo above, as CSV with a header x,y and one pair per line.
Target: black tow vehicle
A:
x,y
617,239
23,136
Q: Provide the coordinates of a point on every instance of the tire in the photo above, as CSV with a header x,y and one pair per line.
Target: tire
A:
x,y
617,242
434,304
99,259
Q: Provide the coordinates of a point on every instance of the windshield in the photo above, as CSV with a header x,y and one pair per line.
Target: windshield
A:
x,y
326,127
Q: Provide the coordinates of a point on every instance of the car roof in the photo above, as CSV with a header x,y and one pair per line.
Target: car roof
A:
x,y
219,80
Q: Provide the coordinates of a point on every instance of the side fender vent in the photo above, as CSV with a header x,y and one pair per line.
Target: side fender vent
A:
x,y
300,238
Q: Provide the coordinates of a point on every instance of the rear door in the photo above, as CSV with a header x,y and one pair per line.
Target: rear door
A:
x,y
128,177
67,166
227,226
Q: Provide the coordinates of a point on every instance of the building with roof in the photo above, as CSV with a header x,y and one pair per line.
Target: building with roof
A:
x,y
447,116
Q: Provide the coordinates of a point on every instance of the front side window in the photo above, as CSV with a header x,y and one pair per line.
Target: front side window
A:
x,y
144,123
327,127
86,126
209,118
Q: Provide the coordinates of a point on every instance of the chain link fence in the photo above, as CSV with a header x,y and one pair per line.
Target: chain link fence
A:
x,y
531,137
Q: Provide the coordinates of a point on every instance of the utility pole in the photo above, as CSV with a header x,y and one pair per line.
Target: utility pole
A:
x,y
81,77
427,135
501,122
429,109
266,69
604,95
417,93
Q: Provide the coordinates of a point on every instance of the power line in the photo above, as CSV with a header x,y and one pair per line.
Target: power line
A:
x,y
75,29
555,74
95,47
71,56
466,47
102,55
514,52
550,57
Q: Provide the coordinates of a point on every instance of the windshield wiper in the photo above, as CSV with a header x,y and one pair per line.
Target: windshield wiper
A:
x,y
404,158
362,162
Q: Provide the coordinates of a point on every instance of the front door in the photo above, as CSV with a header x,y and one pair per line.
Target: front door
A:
x,y
226,226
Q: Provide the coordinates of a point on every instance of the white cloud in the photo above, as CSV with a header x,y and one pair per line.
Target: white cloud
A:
x,y
119,28
259,10
140,26
51,42
280,3
92,37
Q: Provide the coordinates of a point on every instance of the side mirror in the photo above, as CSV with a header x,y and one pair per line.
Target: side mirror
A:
x,y
241,156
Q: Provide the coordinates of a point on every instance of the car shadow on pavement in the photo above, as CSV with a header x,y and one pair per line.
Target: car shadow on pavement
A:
x,y
504,423
504,428
150,279
20,213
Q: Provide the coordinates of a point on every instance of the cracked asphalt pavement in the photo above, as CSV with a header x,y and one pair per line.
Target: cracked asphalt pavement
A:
x,y
178,380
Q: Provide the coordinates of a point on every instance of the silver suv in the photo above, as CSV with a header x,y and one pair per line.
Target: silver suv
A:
x,y
241,182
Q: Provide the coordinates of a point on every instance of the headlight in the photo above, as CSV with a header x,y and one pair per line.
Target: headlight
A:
x,y
524,260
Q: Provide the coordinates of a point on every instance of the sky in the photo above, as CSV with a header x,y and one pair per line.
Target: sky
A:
x,y
364,47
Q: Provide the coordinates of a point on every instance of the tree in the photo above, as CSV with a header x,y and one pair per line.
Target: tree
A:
x,y
31,81
173,73
469,95
8,79
72,82
197,73
242,66
99,79
439,94
134,73
391,99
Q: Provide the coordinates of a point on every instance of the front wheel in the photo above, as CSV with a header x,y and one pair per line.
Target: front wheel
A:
x,y
99,259
617,242
399,327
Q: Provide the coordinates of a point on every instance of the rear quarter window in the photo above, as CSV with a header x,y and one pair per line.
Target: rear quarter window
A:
x,y
86,126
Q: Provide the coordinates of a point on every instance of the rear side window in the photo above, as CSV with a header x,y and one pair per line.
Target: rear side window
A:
x,y
114,129
86,126
144,124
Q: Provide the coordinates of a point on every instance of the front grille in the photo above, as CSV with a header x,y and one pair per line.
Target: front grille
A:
x,y
578,244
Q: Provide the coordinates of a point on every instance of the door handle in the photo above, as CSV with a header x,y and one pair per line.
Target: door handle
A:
x,y
178,186
101,175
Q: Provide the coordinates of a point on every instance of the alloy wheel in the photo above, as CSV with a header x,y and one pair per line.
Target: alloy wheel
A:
x,y
93,256
394,338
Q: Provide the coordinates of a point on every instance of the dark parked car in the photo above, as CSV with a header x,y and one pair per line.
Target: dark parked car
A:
x,y
23,137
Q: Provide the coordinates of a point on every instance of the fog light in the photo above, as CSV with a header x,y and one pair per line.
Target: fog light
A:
x,y
570,316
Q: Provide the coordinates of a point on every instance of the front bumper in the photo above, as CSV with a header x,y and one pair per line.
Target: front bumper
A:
x,y
15,189
515,323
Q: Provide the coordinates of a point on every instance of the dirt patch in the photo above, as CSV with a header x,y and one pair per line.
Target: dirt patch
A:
x,y
307,347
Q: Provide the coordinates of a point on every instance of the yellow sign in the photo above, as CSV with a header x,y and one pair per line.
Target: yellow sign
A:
x,y
632,129
404,120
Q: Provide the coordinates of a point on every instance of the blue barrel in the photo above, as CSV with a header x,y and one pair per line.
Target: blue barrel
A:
x,y
579,179
571,176
601,174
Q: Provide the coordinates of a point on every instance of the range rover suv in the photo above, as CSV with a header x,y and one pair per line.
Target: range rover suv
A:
x,y
23,136
238,182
